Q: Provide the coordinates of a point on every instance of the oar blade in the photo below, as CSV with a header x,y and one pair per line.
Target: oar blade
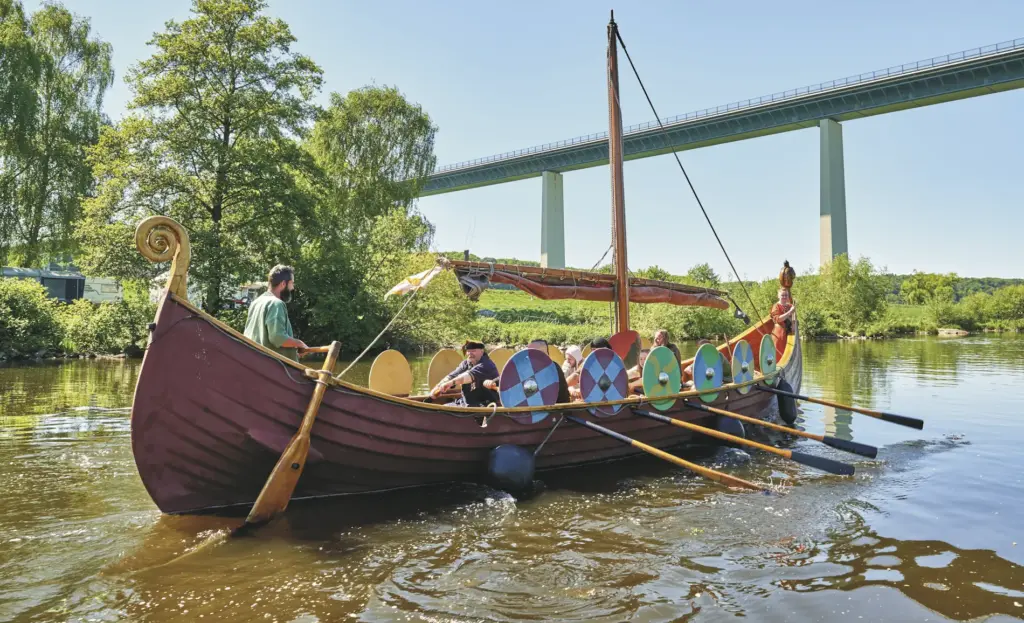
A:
x,y
277,491
822,463
281,483
902,420
850,446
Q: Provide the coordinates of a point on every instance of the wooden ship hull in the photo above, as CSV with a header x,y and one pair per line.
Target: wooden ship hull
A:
x,y
213,412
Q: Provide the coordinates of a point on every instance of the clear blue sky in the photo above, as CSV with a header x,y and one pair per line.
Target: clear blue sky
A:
x,y
934,189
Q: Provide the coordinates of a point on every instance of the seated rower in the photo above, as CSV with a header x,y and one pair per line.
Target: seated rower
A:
x,y
661,339
687,377
473,375
573,365
636,373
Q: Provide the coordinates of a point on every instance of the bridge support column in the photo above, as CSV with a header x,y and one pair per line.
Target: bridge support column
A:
x,y
552,221
833,191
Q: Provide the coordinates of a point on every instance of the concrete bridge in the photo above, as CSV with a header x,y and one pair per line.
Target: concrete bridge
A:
x,y
970,73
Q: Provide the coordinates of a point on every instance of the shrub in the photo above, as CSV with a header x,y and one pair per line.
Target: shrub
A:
x,y
28,319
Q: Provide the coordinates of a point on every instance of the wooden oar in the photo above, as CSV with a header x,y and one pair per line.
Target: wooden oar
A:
x,y
819,462
725,479
316,349
838,444
902,420
281,483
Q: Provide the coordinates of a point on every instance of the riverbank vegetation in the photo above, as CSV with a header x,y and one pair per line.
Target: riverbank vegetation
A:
x,y
224,134
35,326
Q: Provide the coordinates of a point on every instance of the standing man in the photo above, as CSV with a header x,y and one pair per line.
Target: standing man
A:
x,y
267,321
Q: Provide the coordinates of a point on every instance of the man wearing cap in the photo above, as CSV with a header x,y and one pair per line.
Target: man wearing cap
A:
x,y
471,374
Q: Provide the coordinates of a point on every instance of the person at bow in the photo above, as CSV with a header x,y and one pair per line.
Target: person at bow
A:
x,y
784,315
472,374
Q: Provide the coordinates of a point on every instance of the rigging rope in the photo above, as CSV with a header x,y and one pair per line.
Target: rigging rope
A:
x,y
618,35
382,332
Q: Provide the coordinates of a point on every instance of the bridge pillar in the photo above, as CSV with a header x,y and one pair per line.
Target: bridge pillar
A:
x,y
833,191
552,221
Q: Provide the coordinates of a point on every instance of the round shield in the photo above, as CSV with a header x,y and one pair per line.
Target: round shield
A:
x,y
603,378
707,371
626,345
500,356
586,350
661,377
390,374
742,365
529,379
444,361
768,358
556,354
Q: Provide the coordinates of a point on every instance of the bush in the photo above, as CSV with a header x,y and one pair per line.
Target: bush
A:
x,y
107,328
28,319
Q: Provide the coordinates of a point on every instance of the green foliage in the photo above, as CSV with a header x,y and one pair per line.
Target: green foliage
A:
x,y
43,173
373,149
703,275
28,319
440,315
107,328
210,143
19,70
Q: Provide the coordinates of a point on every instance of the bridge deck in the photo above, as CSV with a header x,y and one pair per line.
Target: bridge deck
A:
x,y
971,73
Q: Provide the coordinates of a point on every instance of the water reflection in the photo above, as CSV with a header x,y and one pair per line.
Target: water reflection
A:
x,y
958,584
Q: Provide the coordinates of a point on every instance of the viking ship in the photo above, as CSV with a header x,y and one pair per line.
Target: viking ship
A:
x,y
213,412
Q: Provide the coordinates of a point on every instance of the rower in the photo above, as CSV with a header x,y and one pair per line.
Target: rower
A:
x,y
636,373
687,377
661,339
563,386
473,375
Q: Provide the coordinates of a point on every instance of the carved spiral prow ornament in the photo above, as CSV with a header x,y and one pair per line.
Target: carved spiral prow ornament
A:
x,y
159,239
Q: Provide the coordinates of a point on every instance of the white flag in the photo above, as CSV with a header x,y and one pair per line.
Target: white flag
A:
x,y
415,282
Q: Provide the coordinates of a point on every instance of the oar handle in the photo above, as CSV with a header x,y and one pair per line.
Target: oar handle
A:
x,y
316,349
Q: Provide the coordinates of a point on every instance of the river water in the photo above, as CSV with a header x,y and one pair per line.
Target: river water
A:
x,y
931,530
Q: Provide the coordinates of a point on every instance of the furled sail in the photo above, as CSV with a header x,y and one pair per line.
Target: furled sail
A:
x,y
553,283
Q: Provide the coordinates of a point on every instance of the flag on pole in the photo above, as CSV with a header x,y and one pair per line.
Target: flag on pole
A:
x,y
414,282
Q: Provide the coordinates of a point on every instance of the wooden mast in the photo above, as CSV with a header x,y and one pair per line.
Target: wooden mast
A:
x,y
618,194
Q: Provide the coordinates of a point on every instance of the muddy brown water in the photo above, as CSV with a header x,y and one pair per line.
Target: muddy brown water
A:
x,y
931,530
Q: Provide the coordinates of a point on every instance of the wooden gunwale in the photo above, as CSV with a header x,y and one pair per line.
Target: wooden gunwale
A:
x,y
415,404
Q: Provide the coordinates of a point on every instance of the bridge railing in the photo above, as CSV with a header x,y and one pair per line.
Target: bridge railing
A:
x,y
821,87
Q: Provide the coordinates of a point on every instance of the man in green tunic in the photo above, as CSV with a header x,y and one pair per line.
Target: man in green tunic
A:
x,y
267,322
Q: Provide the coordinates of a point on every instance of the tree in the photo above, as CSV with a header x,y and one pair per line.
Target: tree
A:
x,y
374,149
655,272
929,288
704,275
19,70
853,294
211,142
52,79
47,178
